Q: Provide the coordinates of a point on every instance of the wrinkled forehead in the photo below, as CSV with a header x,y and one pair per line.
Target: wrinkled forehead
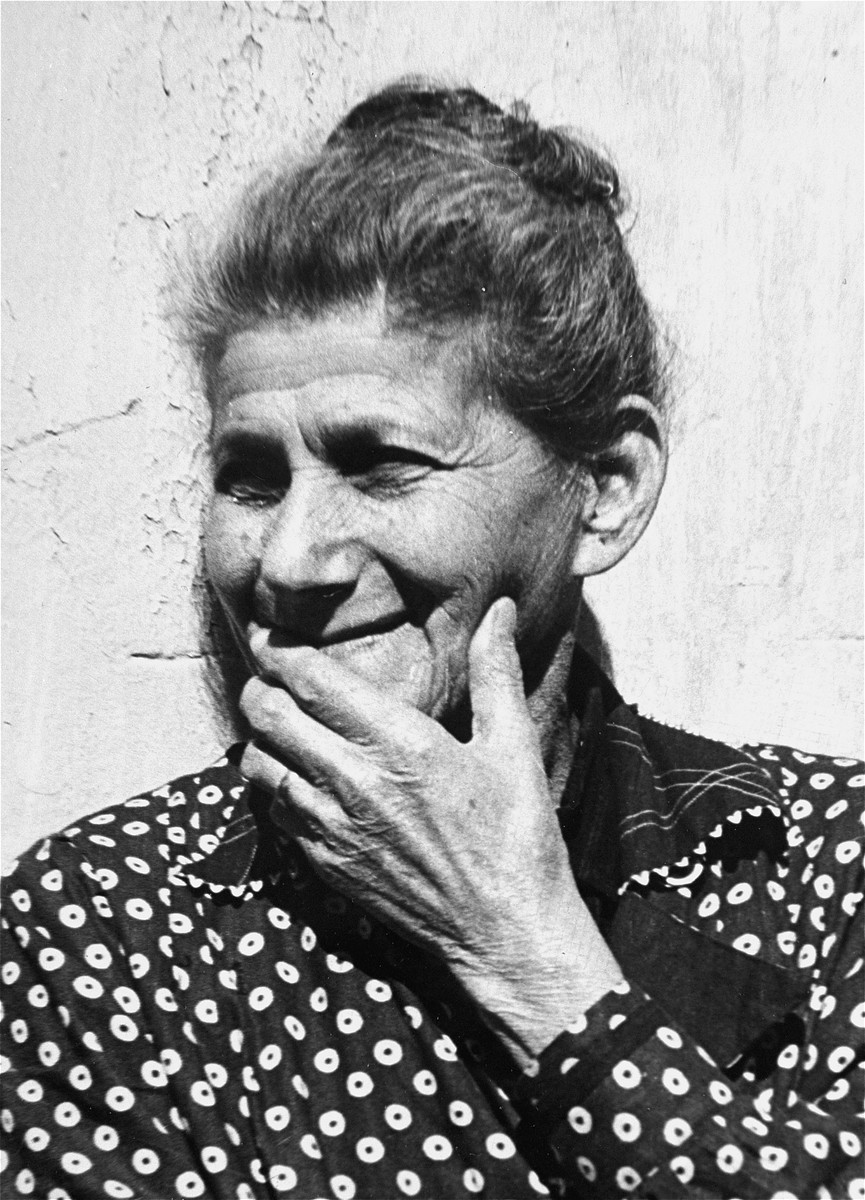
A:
x,y
344,365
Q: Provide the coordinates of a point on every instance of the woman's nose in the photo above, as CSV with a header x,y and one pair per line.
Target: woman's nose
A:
x,y
310,545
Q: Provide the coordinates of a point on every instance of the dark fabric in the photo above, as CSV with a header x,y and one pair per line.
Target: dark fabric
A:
x,y
189,1011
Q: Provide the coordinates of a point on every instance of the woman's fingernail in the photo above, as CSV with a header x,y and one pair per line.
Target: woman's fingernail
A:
x,y
506,616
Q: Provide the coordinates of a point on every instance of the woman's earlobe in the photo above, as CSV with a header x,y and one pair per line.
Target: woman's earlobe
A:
x,y
623,489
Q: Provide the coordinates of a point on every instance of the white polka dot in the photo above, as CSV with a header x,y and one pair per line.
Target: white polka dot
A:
x,y
719,1092
105,1138
587,1168
676,1131
153,1074
499,1145
773,1158
277,1117
845,852
343,1187
437,1148
250,944
326,1061
286,972
36,1139
460,1113
260,998
788,1057
75,1164
398,1116
408,1183
740,893
369,1149
849,1143
309,1145
359,1084
675,1082
626,1075
202,1093
816,1145
729,1159
669,1037
49,1053
840,1058
786,941
348,1020
295,1028
217,1076
682,1167
626,1127
332,1123
425,1083
123,1028
387,1051
88,987
189,1184
138,909
21,900
214,1159
270,1057
627,1179
80,1078
747,943
145,1162
25,1181
377,990
171,1061
207,1012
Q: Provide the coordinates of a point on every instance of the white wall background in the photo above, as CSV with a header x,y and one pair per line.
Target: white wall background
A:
x,y
739,128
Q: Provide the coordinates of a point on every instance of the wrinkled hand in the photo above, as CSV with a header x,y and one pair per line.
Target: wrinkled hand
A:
x,y
454,846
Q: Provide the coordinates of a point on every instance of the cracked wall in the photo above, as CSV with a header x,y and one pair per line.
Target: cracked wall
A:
x,y
739,130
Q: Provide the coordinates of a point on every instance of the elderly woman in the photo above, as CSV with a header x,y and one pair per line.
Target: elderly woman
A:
x,y
456,920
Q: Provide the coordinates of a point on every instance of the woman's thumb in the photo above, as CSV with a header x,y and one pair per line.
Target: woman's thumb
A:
x,y
495,675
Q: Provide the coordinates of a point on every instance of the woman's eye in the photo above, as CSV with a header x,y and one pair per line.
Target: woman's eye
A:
x,y
246,484
385,469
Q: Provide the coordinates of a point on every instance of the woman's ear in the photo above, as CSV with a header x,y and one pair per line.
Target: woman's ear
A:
x,y
622,487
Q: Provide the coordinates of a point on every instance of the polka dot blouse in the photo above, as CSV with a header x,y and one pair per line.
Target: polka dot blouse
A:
x,y
189,1011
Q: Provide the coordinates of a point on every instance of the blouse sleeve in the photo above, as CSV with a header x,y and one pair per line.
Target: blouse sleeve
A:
x,y
629,1104
70,1000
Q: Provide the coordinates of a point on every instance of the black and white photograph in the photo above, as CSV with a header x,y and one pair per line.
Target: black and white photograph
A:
x,y
433,600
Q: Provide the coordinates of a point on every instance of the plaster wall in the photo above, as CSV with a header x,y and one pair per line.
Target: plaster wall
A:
x,y
739,129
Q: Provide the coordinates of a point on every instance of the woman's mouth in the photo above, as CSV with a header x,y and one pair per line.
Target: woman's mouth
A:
x,y
341,639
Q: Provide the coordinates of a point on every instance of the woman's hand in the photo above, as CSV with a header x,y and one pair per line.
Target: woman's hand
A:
x,y
454,846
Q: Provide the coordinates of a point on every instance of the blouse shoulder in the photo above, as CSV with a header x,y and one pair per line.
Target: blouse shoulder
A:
x,y
152,827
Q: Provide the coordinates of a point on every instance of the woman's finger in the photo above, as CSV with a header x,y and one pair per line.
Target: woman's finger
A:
x,y
498,699
293,737
302,809
338,697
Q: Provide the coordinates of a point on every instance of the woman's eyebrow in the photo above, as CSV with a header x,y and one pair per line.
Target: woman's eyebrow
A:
x,y
241,439
371,432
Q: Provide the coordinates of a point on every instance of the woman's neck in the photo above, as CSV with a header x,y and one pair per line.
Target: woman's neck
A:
x,y
558,728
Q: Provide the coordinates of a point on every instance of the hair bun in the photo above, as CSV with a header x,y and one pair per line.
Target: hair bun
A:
x,y
415,100
564,169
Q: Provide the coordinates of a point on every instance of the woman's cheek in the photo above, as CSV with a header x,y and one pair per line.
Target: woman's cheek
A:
x,y
230,550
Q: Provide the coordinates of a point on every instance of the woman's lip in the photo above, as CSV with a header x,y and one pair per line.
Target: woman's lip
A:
x,y
280,638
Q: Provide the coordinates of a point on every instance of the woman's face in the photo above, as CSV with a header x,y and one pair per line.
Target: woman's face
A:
x,y
363,506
